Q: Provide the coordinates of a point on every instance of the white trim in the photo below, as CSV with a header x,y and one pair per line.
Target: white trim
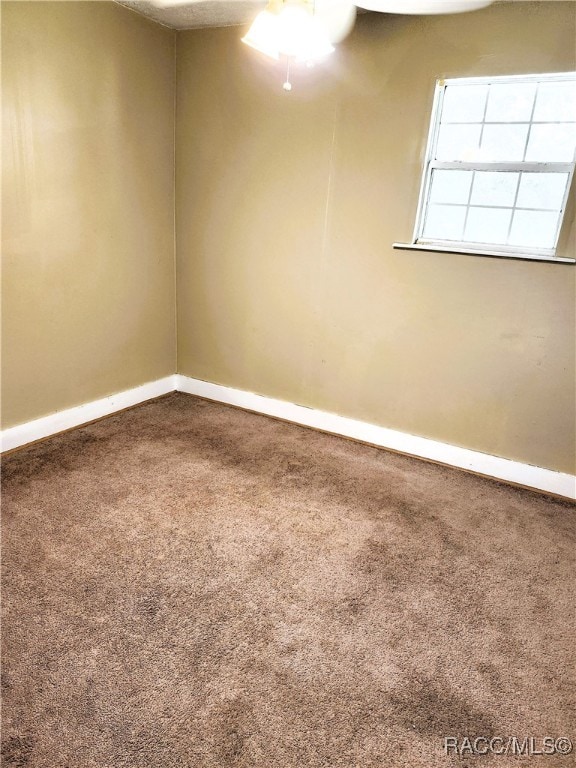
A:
x,y
514,167
539,478
427,175
532,78
446,248
481,463
81,414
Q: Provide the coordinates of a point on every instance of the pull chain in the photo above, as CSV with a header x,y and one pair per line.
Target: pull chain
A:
x,y
287,85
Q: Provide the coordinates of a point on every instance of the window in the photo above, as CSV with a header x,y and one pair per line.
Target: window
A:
x,y
499,165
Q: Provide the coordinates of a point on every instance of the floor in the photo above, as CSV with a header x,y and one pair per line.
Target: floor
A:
x,y
188,584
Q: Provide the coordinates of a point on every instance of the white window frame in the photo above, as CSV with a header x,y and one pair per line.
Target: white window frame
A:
x,y
430,164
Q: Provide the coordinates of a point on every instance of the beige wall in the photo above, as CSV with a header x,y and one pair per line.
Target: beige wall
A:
x,y
287,205
88,261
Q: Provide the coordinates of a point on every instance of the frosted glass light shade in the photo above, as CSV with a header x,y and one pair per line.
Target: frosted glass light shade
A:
x,y
263,34
337,17
301,34
292,31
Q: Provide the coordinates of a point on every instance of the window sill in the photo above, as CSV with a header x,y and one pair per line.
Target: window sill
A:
x,y
473,252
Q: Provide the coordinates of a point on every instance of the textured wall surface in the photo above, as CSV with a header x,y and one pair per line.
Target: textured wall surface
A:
x,y
287,207
88,206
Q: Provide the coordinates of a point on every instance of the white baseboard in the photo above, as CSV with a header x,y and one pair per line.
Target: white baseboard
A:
x,y
527,475
21,434
482,463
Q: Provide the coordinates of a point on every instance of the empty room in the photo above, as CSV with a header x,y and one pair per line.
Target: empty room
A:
x,y
288,383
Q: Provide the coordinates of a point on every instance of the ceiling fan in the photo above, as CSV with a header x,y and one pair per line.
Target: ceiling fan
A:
x,y
307,30
335,7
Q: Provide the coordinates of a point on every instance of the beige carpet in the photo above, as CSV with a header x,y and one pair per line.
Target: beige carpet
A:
x,y
189,585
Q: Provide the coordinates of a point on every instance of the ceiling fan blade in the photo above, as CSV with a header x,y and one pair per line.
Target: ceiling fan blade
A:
x,y
337,17
423,7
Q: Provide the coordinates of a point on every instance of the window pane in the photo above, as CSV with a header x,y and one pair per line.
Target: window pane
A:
x,y
556,102
503,143
542,190
444,222
458,142
551,143
464,104
510,102
450,186
487,225
534,229
493,188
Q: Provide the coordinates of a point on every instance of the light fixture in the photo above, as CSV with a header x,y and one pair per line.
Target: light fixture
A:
x,y
263,34
289,28
305,30
300,30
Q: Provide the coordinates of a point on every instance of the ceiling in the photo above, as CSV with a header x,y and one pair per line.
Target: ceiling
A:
x,y
191,14
199,13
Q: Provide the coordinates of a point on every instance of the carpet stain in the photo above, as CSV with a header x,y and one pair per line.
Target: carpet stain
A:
x,y
16,751
149,606
421,705
231,721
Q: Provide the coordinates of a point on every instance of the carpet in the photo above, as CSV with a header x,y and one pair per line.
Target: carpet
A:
x,y
190,585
